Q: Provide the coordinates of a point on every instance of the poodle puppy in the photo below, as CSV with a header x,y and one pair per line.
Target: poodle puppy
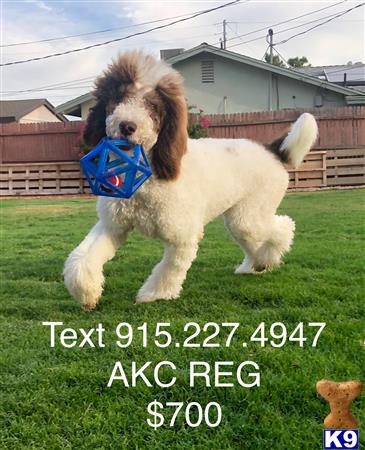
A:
x,y
194,181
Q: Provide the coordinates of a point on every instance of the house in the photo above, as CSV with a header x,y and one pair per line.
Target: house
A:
x,y
28,111
221,81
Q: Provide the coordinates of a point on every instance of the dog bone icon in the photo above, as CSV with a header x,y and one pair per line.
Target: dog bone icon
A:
x,y
339,396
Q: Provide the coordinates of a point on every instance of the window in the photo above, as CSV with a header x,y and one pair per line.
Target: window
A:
x,y
207,68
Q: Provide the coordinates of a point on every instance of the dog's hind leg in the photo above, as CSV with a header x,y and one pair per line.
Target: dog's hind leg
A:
x,y
167,277
263,239
83,272
278,241
246,240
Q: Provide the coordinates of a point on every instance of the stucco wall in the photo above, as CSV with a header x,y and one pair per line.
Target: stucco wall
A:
x,y
40,114
242,88
85,107
291,93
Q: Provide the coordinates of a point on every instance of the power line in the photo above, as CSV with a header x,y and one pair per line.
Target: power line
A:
x,y
69,83
283,22
187,38
281,31
264,21
123,38
331,16
60,85
235,32
320,24
89,86
94,32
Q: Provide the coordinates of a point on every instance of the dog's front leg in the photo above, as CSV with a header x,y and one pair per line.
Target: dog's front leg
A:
x,y
167,277
83,272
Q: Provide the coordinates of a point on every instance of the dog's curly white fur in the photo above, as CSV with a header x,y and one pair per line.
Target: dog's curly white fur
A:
x,y
194,181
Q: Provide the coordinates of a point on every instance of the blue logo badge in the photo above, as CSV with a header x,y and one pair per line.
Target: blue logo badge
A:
x,y
345,439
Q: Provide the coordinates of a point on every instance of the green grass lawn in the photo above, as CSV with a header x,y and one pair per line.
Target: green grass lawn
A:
x,y
58,398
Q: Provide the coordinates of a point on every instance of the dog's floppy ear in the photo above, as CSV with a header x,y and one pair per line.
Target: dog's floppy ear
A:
x,y
172,139
95,124
110,86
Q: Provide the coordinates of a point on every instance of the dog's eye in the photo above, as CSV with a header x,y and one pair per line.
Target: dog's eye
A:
x,y
109,109
151,105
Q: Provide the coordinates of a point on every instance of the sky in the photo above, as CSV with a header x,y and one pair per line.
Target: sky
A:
x,y
336,42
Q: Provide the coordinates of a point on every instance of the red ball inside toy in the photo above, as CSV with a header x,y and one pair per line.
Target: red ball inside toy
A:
x,y
115,180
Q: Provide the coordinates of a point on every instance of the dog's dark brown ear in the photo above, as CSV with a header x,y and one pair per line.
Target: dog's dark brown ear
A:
x,y
111,86
95,125
172,139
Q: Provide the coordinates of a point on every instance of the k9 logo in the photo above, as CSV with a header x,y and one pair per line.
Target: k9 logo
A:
x,y
344,439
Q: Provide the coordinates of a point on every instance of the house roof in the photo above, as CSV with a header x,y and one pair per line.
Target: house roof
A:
x,y
16,109
355,73
73,105
291,73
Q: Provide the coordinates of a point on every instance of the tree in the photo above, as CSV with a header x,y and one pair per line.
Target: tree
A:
x,y
293,62
276,60
298,62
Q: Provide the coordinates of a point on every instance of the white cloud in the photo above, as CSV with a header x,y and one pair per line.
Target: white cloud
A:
x,y
40,4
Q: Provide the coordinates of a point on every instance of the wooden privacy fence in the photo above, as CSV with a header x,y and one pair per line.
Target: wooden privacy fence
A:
x,y
40,142
342,127
338,157
312,173
346,167
331,168
42,159
42,179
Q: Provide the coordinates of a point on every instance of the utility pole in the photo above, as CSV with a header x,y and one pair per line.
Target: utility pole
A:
x,y
271,43
224,34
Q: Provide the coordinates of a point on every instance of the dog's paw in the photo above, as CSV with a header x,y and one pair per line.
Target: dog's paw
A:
x,y
245,268
145,299
90,303
88,308
87,298
145,296
85,285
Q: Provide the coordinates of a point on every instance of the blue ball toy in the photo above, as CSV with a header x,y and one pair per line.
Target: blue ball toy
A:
x,y
116,168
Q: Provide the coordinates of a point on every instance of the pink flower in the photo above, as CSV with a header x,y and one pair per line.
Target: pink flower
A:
x,y
204,122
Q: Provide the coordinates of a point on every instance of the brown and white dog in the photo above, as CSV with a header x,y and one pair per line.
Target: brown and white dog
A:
x,y
193,182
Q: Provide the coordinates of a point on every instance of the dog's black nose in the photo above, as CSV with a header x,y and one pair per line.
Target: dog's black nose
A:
x,y
127,128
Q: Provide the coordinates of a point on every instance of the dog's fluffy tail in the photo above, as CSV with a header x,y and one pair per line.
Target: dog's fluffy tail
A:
x,y
293,147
